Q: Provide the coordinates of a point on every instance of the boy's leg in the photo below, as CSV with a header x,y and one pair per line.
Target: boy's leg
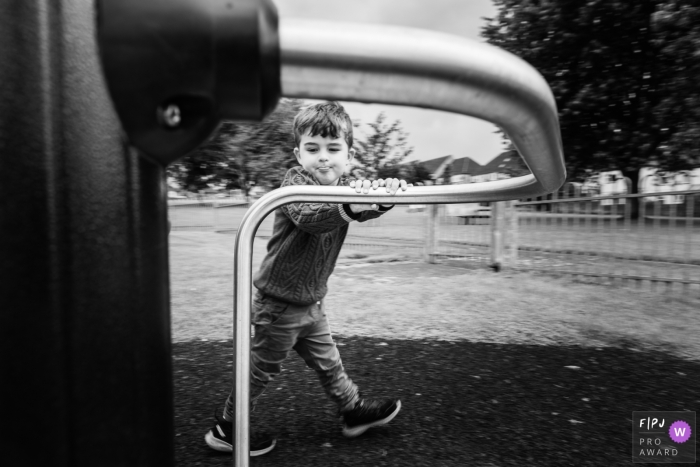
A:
x,y
320,352
318,349
266,357
277,327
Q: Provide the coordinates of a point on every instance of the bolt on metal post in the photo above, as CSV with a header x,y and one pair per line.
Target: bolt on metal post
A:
x,y
171,116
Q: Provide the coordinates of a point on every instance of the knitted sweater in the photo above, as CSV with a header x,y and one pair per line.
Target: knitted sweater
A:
x,y
306,239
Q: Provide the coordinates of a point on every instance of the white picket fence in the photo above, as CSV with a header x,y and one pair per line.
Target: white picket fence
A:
x,y
593,238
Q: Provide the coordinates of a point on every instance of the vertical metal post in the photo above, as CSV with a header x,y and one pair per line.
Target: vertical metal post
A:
x,y
631,237
568,221
672,224
671,239
84,321
497,234
598,236
689,222
553,224
655,237
512,209
588,210
431,237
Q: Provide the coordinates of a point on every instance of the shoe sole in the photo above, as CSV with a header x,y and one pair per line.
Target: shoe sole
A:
x,y
358,430
216,444
222,446
260,452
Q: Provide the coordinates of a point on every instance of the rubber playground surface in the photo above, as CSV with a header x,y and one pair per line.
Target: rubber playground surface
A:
x,y
493,369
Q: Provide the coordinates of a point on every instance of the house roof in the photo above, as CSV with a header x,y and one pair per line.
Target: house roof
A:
x,y
467,166
434,165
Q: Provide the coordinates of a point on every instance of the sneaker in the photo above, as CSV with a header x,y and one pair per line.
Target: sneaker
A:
x,y
220,438
369,413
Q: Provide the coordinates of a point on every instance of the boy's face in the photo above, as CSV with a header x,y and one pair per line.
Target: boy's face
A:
x,y
325,158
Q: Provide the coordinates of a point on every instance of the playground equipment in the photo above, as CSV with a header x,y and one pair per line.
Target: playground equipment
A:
x,y
406,67
85,301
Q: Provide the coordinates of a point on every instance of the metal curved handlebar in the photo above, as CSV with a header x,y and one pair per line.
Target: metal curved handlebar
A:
x,y
392,65
406,67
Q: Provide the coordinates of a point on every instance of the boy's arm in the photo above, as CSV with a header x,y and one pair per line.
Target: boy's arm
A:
x,y
367,215
315,218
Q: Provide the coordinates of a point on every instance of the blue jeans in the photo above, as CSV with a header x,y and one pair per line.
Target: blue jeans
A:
x,y
281,327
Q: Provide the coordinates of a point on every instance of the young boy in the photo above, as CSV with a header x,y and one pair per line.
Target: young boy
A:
x,y
288,307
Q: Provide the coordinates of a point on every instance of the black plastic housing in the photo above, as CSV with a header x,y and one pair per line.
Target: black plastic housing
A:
x,y
211,59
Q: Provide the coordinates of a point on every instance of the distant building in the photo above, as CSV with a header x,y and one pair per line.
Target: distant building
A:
x,y
609,183
466,170
436,167
651,180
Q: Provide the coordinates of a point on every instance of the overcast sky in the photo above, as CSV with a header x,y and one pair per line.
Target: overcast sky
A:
x,y
432,133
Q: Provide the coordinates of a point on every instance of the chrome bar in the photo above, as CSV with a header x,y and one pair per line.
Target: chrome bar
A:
x,y
410,67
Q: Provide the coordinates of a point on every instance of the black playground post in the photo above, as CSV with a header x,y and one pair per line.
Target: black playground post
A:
x,y
85,372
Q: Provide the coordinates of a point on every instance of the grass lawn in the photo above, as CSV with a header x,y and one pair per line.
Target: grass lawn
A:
x,y
655,250
634,240
481,360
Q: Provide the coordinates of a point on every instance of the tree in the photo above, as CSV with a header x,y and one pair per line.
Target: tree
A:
x,y
417,173
677,37
209,164
240,155
265,150
412,172
516,167
379,154
605,63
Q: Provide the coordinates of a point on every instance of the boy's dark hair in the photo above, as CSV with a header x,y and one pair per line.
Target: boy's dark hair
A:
x,y
324,119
